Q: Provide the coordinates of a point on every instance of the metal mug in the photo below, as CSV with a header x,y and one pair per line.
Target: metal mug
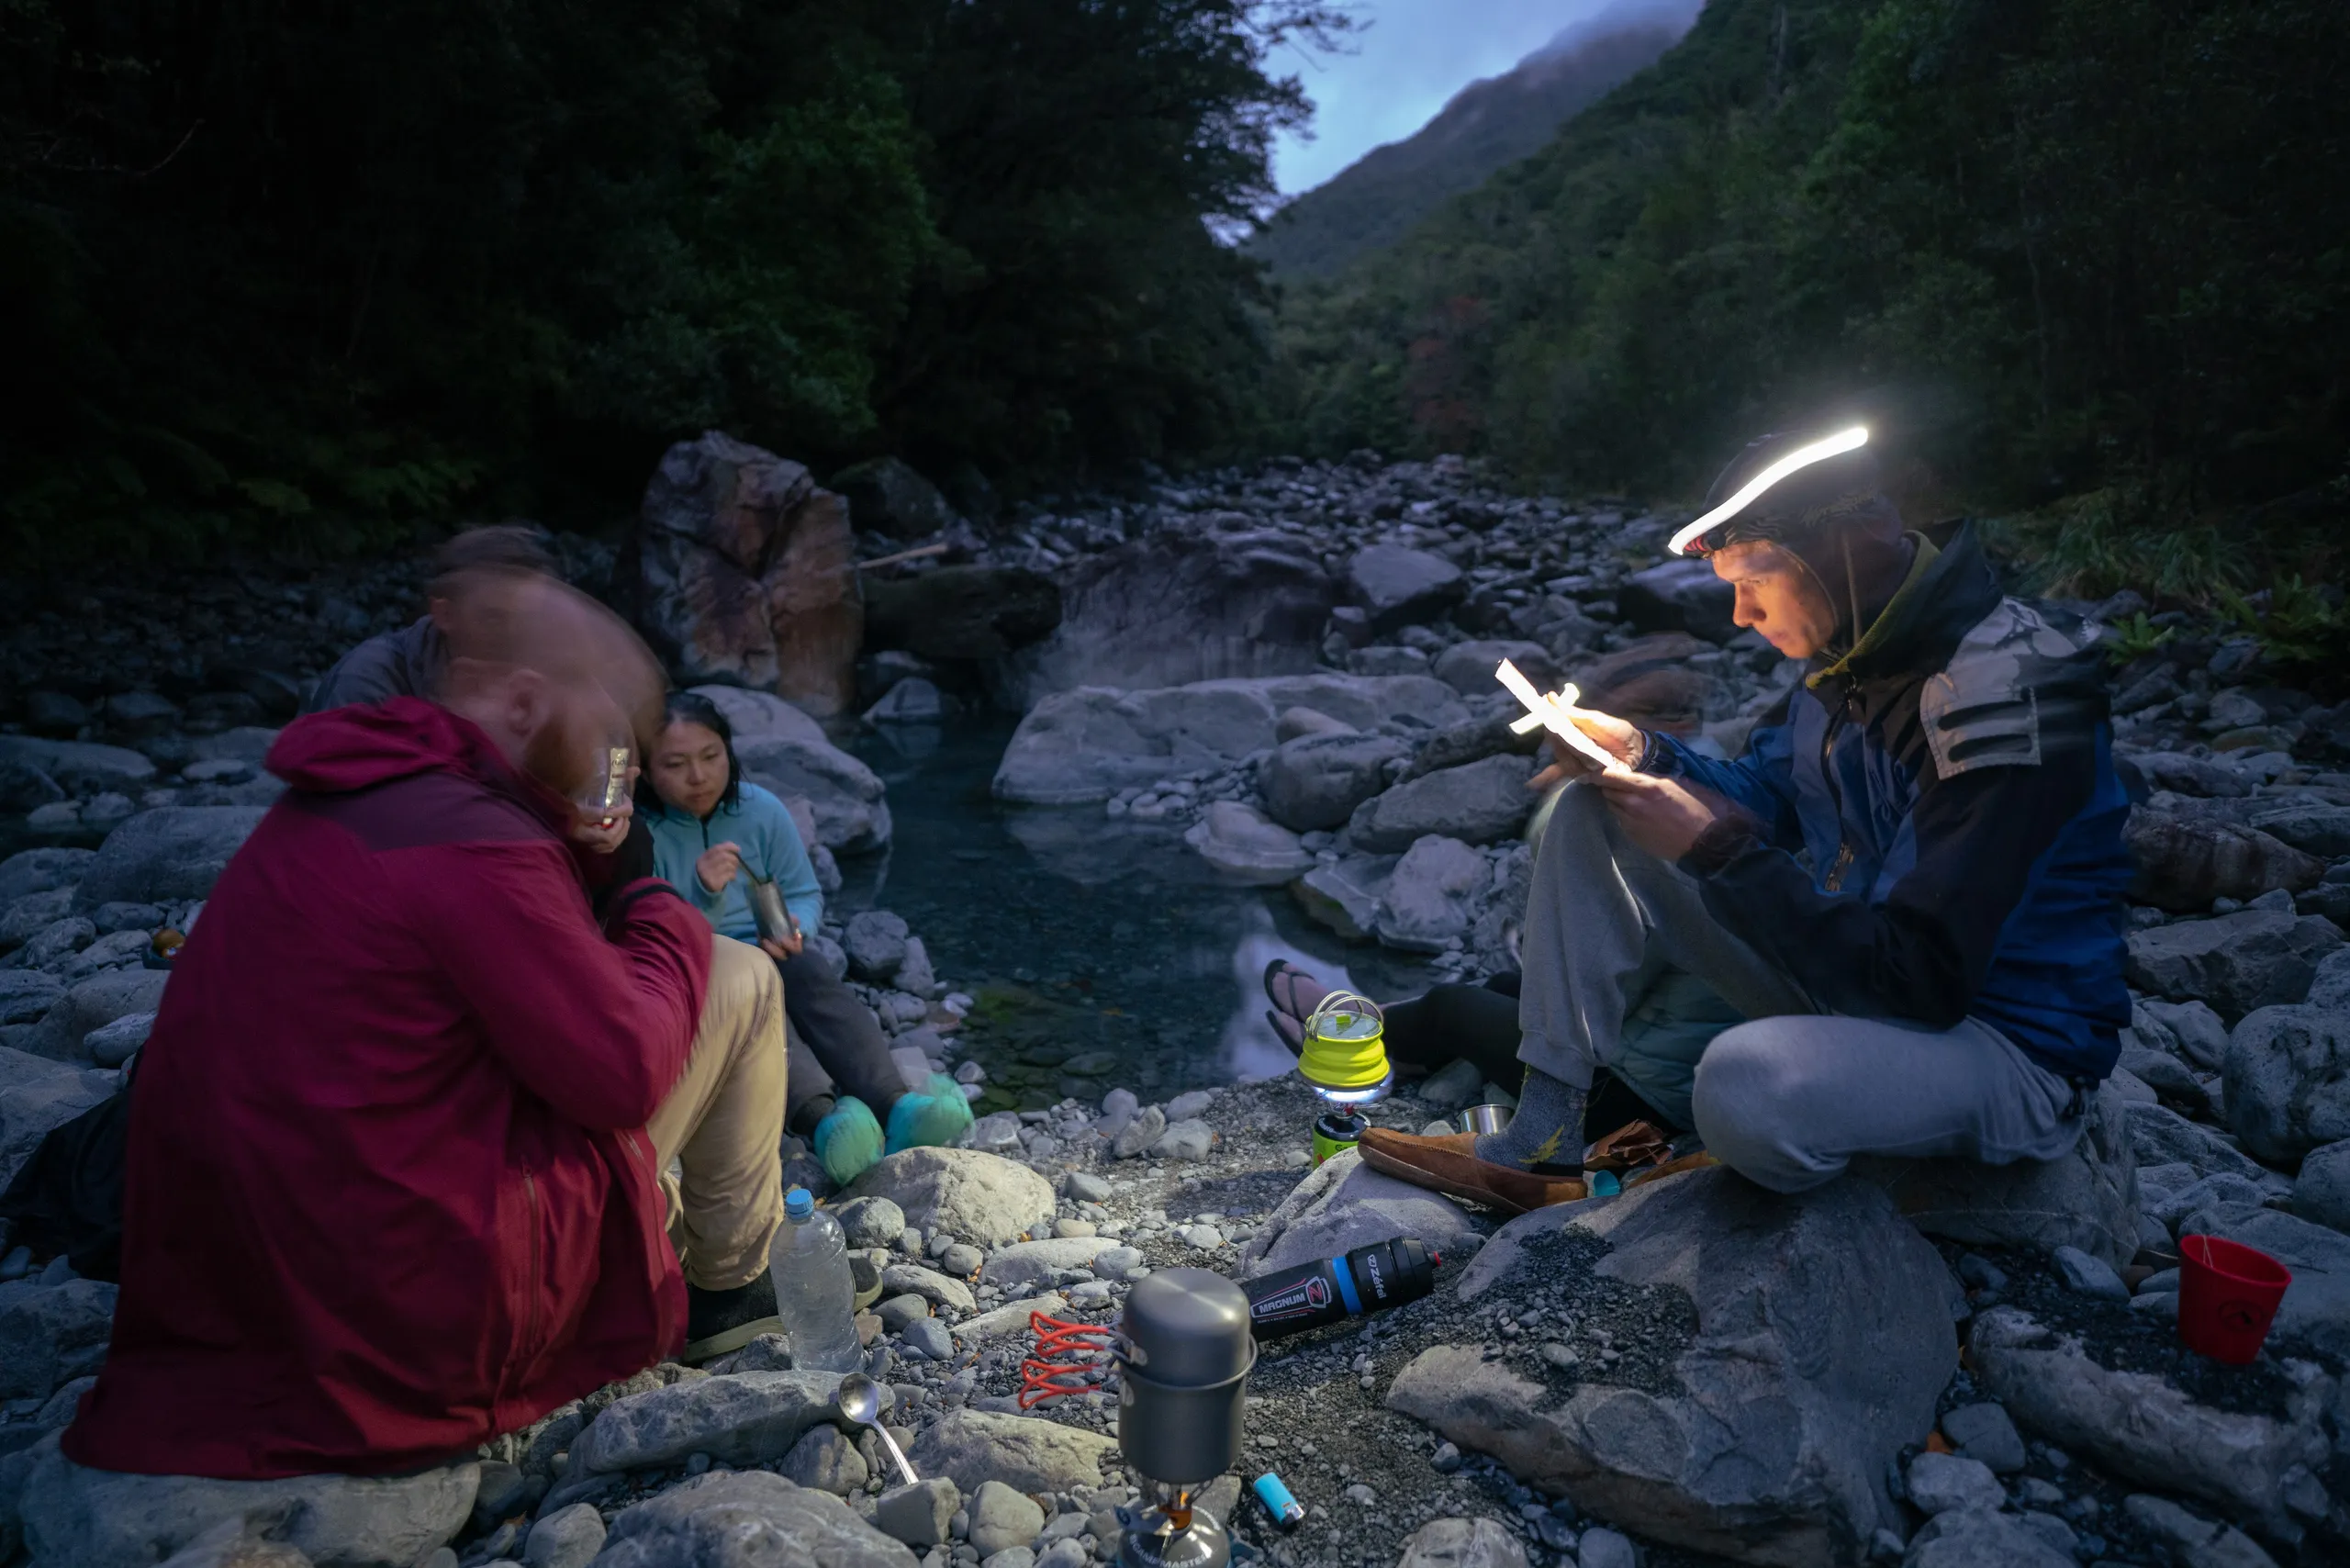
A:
x,y
768,910
1482,1119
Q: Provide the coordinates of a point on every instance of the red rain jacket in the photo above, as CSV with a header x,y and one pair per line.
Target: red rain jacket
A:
x,y
388,1191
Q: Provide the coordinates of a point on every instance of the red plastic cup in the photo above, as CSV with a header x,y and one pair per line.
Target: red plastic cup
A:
x,y
2227,1297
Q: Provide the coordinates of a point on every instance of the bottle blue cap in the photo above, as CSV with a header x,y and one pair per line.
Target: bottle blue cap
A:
x,y
799,1203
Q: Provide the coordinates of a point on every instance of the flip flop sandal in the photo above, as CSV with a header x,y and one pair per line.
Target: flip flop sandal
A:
x,y
1279,969
1297,1045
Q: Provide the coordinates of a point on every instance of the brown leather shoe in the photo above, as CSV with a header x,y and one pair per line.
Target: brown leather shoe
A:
x,y
1450,1165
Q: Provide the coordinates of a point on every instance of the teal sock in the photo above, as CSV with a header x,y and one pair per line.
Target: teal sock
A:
x,y
1547,1130
848,1142
927,1117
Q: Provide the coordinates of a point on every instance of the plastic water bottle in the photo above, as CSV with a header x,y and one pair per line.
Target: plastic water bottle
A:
x,y
814,1292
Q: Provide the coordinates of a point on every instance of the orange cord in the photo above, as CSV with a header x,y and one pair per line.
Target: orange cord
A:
x,y
1069,1358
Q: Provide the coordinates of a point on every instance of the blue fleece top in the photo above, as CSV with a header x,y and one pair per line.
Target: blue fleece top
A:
x,y
759,825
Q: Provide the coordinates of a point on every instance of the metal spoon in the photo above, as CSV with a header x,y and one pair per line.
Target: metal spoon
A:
x,y
860,1401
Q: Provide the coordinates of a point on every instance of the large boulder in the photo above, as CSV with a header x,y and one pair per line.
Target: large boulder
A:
x,y
2088,1198
1679,596
33,871
962,612
785,750
1316,781
26,994
885,495
1080,746
1478,803
92,1004
1430,898
165,856
1176,608
2317,827
2288,1081
31,1106
100,1518
1345,895
1396,586
1240,842
1472,740
743,1418
1821,1338
744,572
2136,1426
748,1518
1025,1453
1344,1204
2183,774
2237,963
79,765
979,1198
2185,862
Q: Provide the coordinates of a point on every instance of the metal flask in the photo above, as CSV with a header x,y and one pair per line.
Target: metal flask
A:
x,y
1184,1360
768,908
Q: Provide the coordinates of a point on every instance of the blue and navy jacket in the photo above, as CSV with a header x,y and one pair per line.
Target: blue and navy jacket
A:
x,y
1950,782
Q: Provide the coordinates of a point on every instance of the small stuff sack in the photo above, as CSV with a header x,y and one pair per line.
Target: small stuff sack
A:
x,y
2228,1294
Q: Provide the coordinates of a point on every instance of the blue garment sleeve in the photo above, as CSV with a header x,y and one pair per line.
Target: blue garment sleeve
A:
x,y
1762,782
784,861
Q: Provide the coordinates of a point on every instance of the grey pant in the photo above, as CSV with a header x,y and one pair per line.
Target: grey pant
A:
x,y
1626,970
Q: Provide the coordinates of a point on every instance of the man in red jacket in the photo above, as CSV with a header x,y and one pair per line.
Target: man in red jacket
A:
x,y
398,1147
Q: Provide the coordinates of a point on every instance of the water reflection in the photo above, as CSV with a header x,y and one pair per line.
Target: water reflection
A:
x,y
1103,952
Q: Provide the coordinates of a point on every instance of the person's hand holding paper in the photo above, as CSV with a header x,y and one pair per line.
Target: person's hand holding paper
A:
x,y
1663,816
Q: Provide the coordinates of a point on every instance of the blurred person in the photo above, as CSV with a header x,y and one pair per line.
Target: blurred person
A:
x,y
408,662
399,1160
1908,890
713,830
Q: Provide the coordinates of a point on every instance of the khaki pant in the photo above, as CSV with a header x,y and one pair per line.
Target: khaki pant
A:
x,y
721,1126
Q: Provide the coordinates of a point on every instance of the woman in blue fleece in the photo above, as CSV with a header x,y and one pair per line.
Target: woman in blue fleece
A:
x,y
713,830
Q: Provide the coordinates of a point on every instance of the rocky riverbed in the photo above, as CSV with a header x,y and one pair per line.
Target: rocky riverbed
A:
x,y
1927,1365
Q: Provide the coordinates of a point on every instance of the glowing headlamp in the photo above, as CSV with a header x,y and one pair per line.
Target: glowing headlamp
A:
x,y
1685,542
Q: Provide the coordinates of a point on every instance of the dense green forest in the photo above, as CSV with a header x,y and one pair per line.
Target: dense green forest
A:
x,y
312,275
2085,260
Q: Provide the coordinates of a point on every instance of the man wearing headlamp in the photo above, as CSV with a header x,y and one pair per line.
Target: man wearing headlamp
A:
x,y
1909,889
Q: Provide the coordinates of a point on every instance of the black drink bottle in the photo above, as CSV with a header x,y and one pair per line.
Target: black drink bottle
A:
x,y
1369,1279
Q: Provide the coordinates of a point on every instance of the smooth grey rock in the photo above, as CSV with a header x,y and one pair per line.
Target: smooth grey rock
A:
x,y
1451,1086
1976,1538
2088,1198
870,1222
1086,1187
2185,862
36,1094
1023,1452
2193,1027
1316,781
2287,1080
32,871
2194,1542
94,1003
919,1515
2089,1276
2238,963
2137,1426
505,1491
1191,1140
978,1197
166,855
1461,1543
25,919
1985,1433
886,496
1344,1203
1605,1547
747,1519
929,1338
939,1290
568,1538
1397,585
51,1334
1244,845
2220,1187
1345,895
2160,1135
791,756
1117,1262
1477,803
26,995
1139,1133
997,1133
874,940
1822,1341
52,947
1468,668
2210,777
1027,1264
2320,828
1002,1518
100,1518
1084,745
110,1045
1941,1482
1191,1104
741,1418
1679,596
229,1545
79,765
899,1312
1011,1318
1431,898
1010,1557
2317,1304
2321,1192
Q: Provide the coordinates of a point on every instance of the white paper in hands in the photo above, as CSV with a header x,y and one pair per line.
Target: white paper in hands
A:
x,y
1555,713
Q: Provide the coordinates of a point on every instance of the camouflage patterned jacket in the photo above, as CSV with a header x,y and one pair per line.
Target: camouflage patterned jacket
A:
x,y
1950,783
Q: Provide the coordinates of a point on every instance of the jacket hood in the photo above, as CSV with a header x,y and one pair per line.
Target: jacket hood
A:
x,y
365,744
1947,592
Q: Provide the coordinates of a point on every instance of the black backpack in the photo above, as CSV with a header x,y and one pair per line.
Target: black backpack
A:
x,y
68,1197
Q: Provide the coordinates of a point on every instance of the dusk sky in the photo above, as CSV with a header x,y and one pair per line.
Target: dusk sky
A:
x,y
1404,67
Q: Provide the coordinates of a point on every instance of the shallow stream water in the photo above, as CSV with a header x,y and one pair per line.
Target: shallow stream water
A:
x,y
1101,952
